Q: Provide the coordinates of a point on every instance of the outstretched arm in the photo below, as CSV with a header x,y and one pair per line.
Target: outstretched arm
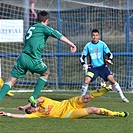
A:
x,y
2,113
72,46
23,107
33,8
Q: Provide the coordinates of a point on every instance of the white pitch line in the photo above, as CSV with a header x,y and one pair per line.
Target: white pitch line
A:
x,y
3,108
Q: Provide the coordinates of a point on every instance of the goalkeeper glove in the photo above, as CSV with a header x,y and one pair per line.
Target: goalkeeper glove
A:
x,y
109,61
85,67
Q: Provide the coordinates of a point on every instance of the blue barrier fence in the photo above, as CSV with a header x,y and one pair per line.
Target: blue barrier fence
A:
x,y
125,54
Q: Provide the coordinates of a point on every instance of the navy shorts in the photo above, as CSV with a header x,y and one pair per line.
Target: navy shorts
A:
x,y
102,71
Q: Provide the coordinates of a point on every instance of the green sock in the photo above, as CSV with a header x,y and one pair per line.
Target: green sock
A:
x,y
5,88
39,86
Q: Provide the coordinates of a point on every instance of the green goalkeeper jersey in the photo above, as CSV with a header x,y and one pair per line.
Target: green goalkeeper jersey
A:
x,y
36,37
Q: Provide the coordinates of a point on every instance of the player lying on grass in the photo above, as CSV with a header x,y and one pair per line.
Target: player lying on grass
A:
x,y
72,108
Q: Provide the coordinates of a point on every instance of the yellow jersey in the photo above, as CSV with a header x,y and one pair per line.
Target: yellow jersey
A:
x,y
55,109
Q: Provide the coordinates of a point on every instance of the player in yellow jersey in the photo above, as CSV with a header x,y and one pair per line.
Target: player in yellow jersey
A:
x,y
71,108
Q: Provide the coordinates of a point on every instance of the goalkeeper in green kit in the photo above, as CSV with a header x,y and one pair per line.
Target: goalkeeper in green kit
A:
x,y
30,58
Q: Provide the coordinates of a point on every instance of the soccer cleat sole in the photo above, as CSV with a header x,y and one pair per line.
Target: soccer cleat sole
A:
x,y
10,94
126,114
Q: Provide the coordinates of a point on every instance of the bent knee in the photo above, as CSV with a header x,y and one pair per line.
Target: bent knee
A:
x,y
87,80
46,74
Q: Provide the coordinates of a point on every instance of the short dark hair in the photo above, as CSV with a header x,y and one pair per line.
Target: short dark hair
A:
x,y
27,110
95,31
43,16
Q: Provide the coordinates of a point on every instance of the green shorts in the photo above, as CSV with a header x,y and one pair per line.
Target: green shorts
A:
x,y
26,63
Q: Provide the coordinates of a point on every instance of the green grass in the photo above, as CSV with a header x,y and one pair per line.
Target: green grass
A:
x,y
90,124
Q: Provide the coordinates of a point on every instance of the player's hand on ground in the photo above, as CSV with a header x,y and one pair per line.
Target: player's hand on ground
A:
x,y
85,66
109,61
73,49
21,108
2,113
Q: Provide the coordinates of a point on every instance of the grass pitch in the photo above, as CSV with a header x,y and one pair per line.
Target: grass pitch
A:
x,y
90,124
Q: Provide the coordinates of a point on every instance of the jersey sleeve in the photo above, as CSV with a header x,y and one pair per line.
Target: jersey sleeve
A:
x,y
106,49
51,32
85,50
83,55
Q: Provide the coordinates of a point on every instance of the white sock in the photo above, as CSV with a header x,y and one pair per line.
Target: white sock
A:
x,y
84,89
118,89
